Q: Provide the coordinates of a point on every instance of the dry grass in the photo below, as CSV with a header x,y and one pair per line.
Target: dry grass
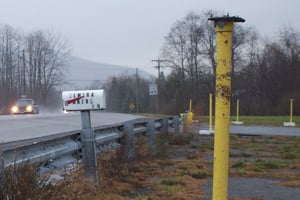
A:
x,y
267,156
22,181
158,176
176,171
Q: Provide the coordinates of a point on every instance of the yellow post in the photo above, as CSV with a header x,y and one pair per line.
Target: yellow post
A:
x,y
190,114
210,112
237,109
223,28
291,110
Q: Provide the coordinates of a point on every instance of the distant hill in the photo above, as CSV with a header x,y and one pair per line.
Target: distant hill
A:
x,y
81,73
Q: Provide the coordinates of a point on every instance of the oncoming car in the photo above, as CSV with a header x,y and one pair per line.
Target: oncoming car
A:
x,y
23,106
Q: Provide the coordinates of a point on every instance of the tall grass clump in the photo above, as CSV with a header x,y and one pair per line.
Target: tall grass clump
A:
x,y
23,181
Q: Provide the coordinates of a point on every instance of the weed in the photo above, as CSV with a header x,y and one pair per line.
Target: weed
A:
x,y
194,146
171,181
270,164
162,154
234,137
200,166
199,175
239,164
288,148
184,168
192,156
142,198
113,164
289,156
207,146
21,181
172,185
161,149
181,139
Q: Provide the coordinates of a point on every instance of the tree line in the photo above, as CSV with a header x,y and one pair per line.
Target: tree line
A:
x,y
265,71
31,64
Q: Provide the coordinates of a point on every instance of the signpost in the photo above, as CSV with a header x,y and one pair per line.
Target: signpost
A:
x,y
131,106
84,101
153,92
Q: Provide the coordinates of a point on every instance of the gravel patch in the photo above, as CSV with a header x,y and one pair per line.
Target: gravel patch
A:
x,y
255,188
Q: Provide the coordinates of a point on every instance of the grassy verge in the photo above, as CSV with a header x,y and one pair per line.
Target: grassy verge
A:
x,y
258,120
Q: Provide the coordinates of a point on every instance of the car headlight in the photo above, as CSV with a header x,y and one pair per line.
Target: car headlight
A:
x,y
14,109
29,108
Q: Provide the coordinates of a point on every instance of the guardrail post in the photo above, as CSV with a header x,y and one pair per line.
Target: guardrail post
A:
x,y
3,178
164,129
89,147
1,161
151,136
129,145
184,123
176,125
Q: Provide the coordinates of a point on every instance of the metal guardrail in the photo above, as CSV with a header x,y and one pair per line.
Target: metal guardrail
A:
x,y
65,148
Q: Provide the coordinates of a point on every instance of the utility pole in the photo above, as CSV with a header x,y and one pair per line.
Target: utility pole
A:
x,y
158,81
137,90
24,73
158,66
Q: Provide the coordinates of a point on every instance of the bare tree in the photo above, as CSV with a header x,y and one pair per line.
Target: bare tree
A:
x,y
46,56
190,48
9,68
271,76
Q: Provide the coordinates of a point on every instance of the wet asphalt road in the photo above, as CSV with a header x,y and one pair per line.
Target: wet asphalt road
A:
x,y
22,127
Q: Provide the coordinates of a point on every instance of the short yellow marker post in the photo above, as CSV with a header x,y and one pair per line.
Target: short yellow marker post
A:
x,y
237,109
290,123
210,131
223,28
190,114
237,122
210,113
291,110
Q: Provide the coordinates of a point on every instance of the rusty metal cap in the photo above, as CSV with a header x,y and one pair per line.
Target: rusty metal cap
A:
x,y
227,18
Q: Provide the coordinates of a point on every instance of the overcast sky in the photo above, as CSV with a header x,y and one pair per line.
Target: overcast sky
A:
x,y
131,32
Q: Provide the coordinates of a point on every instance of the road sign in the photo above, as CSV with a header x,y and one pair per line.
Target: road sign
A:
x,y
153,89
131,106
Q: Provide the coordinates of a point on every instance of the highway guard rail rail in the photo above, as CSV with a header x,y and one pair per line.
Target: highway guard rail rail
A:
x,y
64,149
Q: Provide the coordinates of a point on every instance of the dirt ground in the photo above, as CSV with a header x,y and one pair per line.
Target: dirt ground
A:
x,y
261,167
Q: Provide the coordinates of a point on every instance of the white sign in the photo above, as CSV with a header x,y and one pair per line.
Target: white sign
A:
x,y
153,89
84,100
